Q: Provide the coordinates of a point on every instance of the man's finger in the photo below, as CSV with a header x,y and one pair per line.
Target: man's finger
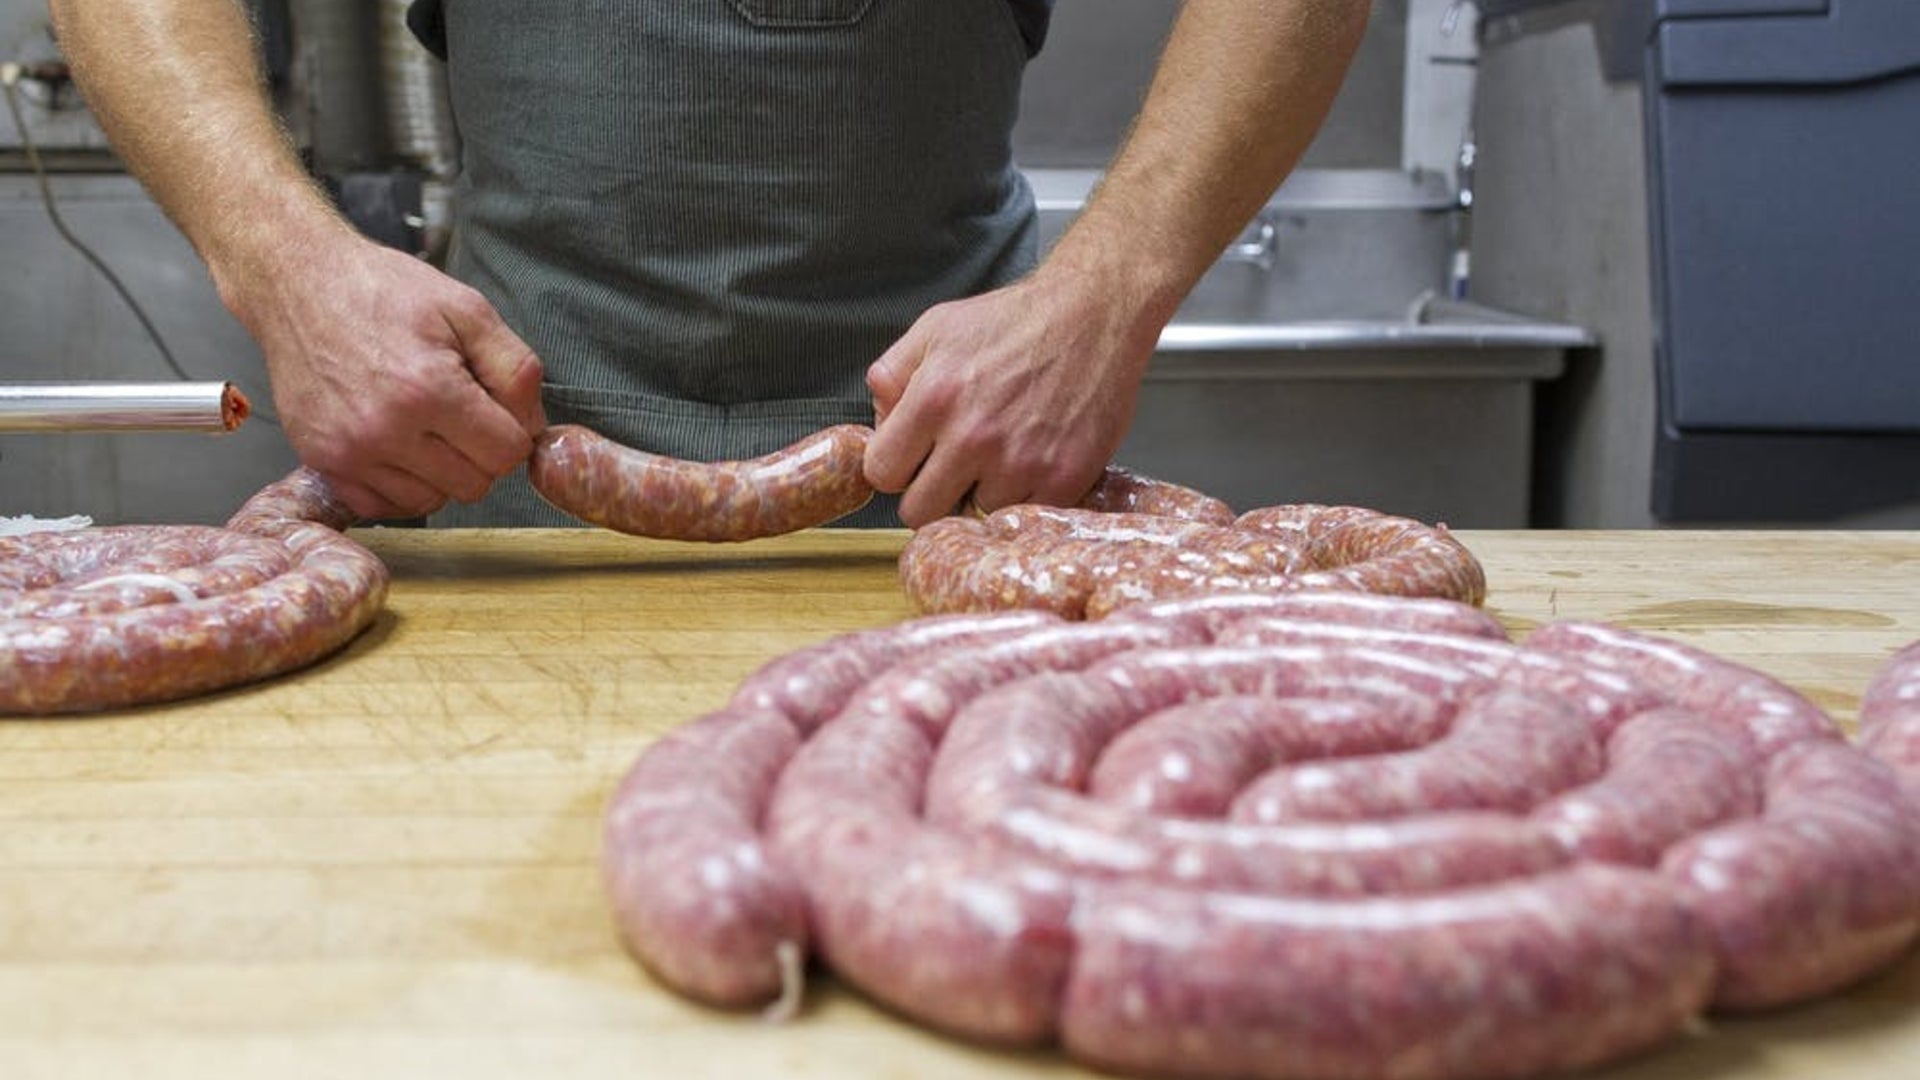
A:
x,y
366,504
888,376
449,471
938,489
405,494
501,363
385,493
897,449
485,433
999,491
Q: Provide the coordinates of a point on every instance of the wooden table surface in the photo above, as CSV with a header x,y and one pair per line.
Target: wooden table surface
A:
x,y
385,866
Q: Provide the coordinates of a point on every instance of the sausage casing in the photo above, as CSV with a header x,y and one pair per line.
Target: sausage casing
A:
x,y
595,479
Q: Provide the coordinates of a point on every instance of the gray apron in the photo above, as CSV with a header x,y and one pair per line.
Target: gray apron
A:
x,y
707,217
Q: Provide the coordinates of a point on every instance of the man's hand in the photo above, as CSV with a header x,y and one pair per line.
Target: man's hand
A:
x,y
1018,395
400,385
1021,395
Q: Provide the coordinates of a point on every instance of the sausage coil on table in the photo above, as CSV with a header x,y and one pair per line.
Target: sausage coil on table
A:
x,y
1087,563
102,618
1300,835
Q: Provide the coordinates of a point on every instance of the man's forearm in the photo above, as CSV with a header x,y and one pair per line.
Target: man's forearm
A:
x,y
1240,92
178,87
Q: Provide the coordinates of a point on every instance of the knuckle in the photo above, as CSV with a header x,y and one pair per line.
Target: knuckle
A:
x,y
527,367
406,403
985,443
330,457
938,389
470,305
1064,481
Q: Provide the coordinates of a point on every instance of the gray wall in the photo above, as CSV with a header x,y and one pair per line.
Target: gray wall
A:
x,y
1083,91
1560,232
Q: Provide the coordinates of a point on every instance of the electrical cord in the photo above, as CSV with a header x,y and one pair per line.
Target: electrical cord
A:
x,y
9,79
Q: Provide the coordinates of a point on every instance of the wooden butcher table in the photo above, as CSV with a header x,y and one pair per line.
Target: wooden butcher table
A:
x,y
386,866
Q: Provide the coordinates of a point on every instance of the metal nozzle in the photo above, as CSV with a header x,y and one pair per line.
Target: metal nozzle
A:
x,y
200,406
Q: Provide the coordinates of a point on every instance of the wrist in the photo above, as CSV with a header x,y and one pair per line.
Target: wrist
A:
x,y
255,251
1138,288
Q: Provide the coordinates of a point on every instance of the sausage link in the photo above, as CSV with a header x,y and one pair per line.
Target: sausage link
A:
x,y
1772,714
812,482
1058,560
1670,775
1508,750
100,571
1122,491
696,895
1214,614
1890,717
930,689
957,565
1191,760
1016,758
1820,891
301,496
968,942
1511,980
1165,677
1398,557
810,685
1605,698
1306,522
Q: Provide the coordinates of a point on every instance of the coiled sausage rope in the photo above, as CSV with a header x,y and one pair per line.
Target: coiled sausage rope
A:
x,y
104,618
1296,836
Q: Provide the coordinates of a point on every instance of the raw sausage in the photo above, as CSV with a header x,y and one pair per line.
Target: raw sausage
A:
x,y
1048,830
1890,717
301,497
810,685
105,618
1126,492
1191,760
699,901
1216,612
595,479
1672,775
1772,714
1568,970
1507,750
1084,564
1352,548
1606,697
1823,888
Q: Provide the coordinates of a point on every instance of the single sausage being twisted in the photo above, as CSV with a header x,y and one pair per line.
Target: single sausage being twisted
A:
x,y
601,482
1086,563
103,618
815,481
1306,835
